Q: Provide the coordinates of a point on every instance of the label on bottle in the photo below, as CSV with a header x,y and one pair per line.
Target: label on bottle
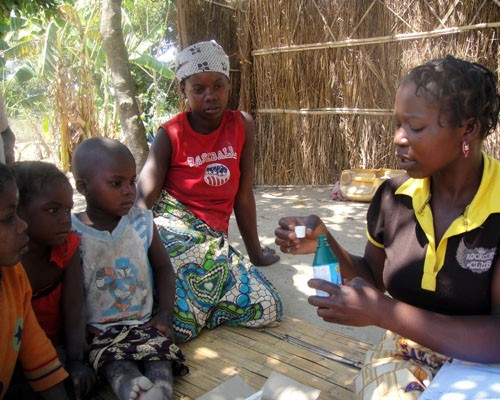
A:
x,y
328,272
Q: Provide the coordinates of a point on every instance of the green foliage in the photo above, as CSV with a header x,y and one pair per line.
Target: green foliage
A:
x,y
24,73
28,7
23,90
59,61
153,23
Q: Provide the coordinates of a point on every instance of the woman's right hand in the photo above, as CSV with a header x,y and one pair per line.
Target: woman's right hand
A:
x,y
287,240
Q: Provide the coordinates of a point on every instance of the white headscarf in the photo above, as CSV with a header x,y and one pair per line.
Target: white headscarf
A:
x,y
201,57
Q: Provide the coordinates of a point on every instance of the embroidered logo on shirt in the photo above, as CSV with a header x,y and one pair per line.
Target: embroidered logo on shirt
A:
x,y
477,260
18,333
216,174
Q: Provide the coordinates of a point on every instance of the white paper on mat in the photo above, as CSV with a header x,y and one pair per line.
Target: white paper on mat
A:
x,y
461,380
277,387
281,387
235,388
255,396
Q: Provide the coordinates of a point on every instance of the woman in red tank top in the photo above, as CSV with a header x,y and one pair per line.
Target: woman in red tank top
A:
x,y
200,169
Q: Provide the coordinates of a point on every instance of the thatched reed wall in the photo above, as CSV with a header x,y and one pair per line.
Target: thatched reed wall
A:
x,y
320,75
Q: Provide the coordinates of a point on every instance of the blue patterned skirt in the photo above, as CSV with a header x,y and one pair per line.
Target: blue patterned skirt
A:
x,y
215,284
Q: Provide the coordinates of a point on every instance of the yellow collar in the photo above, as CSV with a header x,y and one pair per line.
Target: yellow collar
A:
x,y
485,202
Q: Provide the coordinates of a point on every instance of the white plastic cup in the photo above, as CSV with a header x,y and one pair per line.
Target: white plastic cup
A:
x,y
300,231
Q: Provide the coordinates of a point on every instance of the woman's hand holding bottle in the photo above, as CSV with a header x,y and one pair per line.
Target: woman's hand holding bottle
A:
x,y
287,240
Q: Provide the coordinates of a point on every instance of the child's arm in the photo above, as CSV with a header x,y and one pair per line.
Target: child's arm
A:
x,y
164,278
81,374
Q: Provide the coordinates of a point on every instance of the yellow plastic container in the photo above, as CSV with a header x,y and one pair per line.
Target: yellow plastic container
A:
x,y
361,184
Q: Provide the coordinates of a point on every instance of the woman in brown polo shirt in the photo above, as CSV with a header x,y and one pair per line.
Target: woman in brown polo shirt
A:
x,y
433,237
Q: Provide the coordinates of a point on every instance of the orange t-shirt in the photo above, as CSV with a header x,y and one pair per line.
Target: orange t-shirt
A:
x,y
21,336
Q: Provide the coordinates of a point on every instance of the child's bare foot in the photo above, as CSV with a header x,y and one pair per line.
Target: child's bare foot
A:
x,y
128,383
144,389
160,372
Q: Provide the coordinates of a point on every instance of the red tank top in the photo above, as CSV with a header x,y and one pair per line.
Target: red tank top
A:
x,y
47,302
204,171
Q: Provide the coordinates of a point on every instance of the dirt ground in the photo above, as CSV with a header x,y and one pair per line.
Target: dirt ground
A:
x,y
345,219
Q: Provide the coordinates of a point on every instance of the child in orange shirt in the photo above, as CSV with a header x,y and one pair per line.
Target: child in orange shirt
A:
x,y
21,337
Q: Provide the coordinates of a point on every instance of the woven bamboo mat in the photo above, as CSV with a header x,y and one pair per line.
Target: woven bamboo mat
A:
x,y
316,357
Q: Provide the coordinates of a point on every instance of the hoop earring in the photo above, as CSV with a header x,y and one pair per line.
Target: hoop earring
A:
x,y
465,149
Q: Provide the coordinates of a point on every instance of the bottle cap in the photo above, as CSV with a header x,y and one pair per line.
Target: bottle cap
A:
x,y
300,231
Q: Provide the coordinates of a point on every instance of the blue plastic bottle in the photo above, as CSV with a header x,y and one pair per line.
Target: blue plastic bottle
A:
x,y
325,264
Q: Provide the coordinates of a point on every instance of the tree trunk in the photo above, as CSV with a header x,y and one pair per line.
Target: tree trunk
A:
x,y
133,131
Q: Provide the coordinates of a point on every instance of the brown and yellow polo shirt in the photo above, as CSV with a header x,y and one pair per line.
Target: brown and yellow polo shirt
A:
x,y
452,276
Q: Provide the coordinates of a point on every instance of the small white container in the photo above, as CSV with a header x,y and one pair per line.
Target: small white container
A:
x,y
300,231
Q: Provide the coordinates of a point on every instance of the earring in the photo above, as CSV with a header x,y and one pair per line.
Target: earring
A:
x,y
465,149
